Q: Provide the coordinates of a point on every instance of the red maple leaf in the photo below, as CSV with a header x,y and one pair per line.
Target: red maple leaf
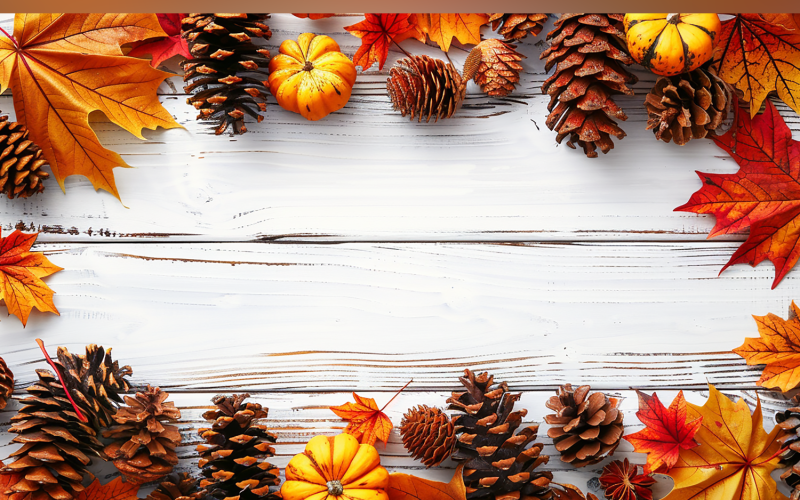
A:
x,y
666,433
115,490
763,196
163,48
366,422
377,32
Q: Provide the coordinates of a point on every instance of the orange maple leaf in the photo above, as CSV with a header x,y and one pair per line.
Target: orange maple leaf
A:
x,y
442,28
366,422
21,273
115,490
789,21
758,57
408,487
61,67
377,32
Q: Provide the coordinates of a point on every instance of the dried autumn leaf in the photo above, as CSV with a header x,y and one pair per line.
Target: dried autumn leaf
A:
x,y
377,32
115,490
666,431
61,67
162,49
21,273
366,422
763,196
789,21
408,487
778,348
442,28
758,57
735,459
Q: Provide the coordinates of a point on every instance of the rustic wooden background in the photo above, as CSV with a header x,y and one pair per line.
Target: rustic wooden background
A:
x,y
305,260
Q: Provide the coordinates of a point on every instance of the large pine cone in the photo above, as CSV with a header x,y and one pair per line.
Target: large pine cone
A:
x,y
587,51
517,26
57,445
222,74
424,87
789,423
586,427
428,434
687,106
499,464
144,448
233,458
6,383
495,66
177,486
21,161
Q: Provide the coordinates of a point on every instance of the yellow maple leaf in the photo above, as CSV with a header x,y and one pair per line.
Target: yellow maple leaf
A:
x,y
442,28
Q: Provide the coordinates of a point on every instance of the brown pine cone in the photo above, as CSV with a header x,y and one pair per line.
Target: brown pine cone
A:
x,y
587,51
789,423
428,434
177,486
499,464
144,448
495,66
21,161
586,427
6,383
687,106
569,492
517,26
424,87
227,75
233,459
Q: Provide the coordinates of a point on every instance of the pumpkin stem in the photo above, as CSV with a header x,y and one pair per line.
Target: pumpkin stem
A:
x,y
308,66
335,487
673,18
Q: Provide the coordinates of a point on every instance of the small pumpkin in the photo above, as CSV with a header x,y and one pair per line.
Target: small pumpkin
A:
x,y
311,76
671,44
336,468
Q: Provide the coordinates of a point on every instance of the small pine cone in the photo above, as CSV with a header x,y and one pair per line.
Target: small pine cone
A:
x,y
222,74
177,486
495,66
687,106
517,26
144,447
621,481
428,434
789,423
6,383
569,492
233,459
586,427
424,87
21,161
587,51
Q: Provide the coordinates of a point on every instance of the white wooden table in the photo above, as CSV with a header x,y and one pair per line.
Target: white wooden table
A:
x,y
305,260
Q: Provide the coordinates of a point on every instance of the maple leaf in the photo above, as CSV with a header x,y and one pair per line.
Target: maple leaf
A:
x,y
666,432
789,21
408,487
21,273
778,348
115,490
763,196
377,32
442,28
757,57
735,459
366,422
61,67
164,48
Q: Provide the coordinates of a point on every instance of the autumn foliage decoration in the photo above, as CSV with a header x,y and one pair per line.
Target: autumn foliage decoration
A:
x,y
163,48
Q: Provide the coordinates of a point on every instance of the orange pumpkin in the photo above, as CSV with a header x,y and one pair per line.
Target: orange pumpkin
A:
x,y
671,44
336,468
311,76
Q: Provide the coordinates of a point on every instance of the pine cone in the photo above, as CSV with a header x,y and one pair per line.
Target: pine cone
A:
x,y
222,74
6,383
517,26
789,422
495,67
687,106
428,434
498,463
584,433
621,481
177,486
144,449
233,460
21,161
57,446
586,50
424,87
569,492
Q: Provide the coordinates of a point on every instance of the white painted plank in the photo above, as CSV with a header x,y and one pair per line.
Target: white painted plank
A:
x,y
371,316
366,174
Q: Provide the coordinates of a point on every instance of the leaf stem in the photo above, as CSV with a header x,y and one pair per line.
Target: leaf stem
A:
x,y
81,416
398,392
407,55
10,37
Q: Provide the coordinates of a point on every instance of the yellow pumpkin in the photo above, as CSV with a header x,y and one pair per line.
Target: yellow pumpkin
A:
x,y
671,44
336,468
311,76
